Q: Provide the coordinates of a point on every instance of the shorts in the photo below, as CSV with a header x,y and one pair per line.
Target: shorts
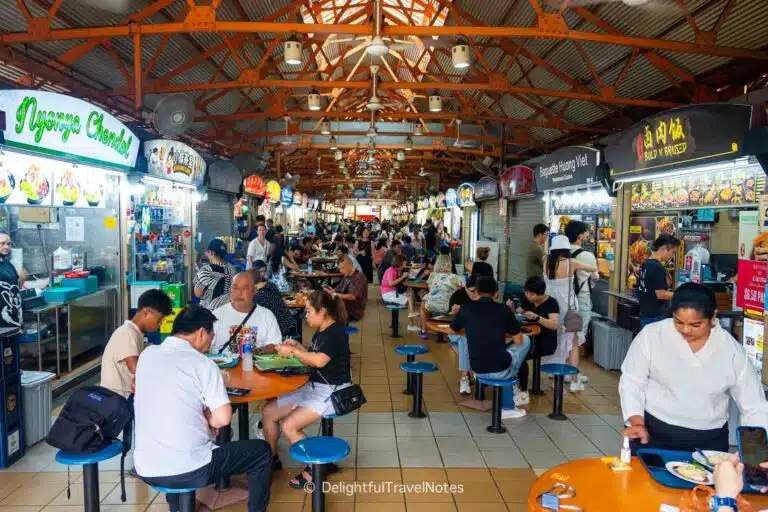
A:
x,y
314,396
395,298
585,312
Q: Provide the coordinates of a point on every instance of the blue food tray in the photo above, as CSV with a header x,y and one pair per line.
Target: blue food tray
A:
x,y
667,479
230,364
416,281
61,294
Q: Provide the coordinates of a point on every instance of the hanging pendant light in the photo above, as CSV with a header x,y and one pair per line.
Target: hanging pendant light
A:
x,y
418,131
435,102
338,155
292,51
460,54
401,155
332,145
395,164
408,144
313,99
325,127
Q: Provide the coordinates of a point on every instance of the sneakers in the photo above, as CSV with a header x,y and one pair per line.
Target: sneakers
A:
x,y
259,434
277,464
583,378
414,328
508,414
575,386
522,398
415,314
464,388
423,335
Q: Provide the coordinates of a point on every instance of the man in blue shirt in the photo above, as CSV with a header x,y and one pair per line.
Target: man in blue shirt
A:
x,y
407,249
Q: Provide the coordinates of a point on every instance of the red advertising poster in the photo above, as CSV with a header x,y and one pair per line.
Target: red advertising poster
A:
x,y
750,284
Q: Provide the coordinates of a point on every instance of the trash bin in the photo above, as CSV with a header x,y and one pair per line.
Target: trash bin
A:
x,y
36,396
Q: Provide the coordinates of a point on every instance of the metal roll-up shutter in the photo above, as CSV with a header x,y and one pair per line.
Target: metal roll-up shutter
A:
x,y
522,215
492,226
214,216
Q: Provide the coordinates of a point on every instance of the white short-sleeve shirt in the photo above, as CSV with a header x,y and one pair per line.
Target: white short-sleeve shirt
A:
x,y
262,321
174,384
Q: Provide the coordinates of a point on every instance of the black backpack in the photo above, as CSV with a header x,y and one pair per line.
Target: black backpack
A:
x,y
91,419
576,285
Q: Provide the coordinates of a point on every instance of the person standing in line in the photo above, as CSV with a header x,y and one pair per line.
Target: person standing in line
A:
x,y
213,282
364,253
258,249
654,282
430,239
534,264
578,233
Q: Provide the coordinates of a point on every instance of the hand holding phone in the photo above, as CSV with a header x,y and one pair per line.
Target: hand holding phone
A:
x,y
238,391
753,452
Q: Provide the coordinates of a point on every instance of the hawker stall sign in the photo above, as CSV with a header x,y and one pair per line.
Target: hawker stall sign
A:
x,y
175,161
486,189
465,195
681,137
516,181
567,167
59,125
286,196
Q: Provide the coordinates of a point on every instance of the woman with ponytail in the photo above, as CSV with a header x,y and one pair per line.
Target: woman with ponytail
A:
x,y
328,357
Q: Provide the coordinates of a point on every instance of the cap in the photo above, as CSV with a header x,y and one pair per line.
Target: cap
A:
x,y
259,265
559,242
218,247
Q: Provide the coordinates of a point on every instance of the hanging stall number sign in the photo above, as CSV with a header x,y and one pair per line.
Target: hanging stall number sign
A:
x,y
685,136
175,161
516,181
567,167
486,189
465,195
63,126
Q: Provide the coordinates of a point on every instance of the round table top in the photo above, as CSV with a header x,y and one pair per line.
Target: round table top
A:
x,y
316,275
600,488
445,328
296,303
263,385
421,284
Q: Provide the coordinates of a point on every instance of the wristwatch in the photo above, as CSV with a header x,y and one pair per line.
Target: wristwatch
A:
x,y
715,502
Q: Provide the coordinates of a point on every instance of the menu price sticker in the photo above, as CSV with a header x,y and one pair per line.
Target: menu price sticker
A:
x,y
750,284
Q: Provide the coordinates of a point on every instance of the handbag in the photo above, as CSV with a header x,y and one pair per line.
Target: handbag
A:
x,y
572,321
697,500
347,399
232,341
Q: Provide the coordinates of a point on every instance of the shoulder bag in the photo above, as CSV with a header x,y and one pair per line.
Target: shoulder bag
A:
x,y
232,341
572,321
347,399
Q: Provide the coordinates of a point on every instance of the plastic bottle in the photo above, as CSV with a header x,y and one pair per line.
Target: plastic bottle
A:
x,y
309,266
626,453
248,353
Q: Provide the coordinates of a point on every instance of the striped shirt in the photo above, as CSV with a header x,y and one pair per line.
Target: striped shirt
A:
x,y
216,280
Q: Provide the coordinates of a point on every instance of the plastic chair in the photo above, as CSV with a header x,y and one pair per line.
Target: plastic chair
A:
x,y
559,371
318,452
90,463
187,502
498,387
410,352
417,370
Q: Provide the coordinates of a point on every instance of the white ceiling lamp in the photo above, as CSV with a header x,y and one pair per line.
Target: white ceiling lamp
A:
x,y
401,155
395,164
460,54
292,51
374,103
313,100
418,131
287,141
408,144
325,126
338,155
377,47
457,143
332,145
435,102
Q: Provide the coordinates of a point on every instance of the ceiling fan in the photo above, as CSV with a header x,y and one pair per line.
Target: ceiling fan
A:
x,y
287,140
320,171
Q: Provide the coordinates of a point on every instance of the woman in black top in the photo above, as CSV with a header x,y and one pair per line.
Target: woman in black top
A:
x,y
364,253
10,284
268,296
328,356
480,267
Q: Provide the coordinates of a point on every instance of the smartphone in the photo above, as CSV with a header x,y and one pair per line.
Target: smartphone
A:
x,y
550,501
238,391
753,449
652,460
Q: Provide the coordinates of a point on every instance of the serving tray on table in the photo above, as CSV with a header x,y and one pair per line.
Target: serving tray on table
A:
x,y
274,362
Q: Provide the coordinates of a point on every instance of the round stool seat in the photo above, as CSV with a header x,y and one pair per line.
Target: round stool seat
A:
x,y
331,416
393,307
319,450
79,459
418,367
411,350
559,369
351,330
497,383
168,490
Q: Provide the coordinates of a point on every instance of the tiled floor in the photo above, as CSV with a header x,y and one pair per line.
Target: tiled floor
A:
x,y
450,447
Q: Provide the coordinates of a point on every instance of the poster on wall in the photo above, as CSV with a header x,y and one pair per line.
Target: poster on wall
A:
x,y
78,187
26,180
753,341
465,195
750,284
63,126
175,161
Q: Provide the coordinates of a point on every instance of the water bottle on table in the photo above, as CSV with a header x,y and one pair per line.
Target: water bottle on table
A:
x,y
309,266
248,342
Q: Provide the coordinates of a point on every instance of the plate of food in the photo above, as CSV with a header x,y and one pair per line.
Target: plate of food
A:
x,y
711,458
690,473
225,360
35,185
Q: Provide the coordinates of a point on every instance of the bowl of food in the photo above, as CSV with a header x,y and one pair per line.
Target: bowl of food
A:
x,y
7,184
68,188
34,185
224,360
93,194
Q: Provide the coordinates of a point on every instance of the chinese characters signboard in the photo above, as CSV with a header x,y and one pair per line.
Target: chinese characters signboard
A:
x,y
685,136
750,284
516,181
175,161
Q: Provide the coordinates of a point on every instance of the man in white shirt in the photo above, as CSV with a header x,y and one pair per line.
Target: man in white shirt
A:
x,y
258,249
181,402
343,250
578,233
262,321
679,374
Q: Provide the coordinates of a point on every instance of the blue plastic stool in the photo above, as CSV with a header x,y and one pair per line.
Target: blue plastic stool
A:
x,y
318,452
410,352
187,501
395,309
351,329
90,463
498,387
559,371
417,370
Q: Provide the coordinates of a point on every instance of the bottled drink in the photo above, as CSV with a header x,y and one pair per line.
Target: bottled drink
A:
x,y
309,266
248,352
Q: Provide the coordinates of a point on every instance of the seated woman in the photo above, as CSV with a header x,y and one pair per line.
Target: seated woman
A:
x,y
481,267
679,375
393,279
268,296
442,283
328,356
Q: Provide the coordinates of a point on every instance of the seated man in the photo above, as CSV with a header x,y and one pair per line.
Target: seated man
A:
x,y
486,323
459,298
306,249
537,307
343,250
237,317
407,249
181,401
352,289
679,375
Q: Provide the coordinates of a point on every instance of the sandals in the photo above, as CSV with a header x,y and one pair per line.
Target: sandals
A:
x,y
299,481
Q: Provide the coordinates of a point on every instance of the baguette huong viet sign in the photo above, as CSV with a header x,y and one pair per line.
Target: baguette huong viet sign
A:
x,y
685,136
67,127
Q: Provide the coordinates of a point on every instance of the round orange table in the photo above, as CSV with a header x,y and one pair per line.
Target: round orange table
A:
x,y
445,328
316,278
600,488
